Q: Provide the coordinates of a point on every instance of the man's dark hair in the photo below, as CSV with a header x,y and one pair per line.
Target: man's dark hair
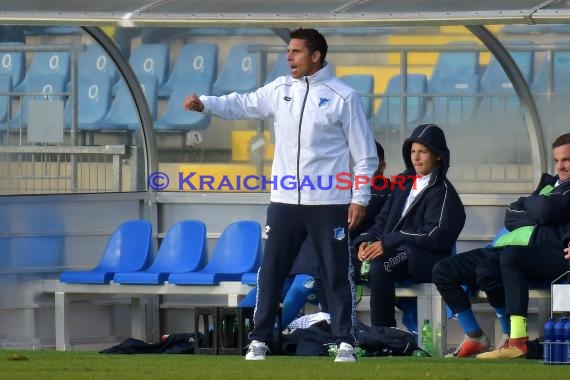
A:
x,y
561,140
314,39
379,151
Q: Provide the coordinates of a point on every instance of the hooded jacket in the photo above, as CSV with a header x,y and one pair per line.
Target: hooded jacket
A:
x,y
549,214
435,218
320,128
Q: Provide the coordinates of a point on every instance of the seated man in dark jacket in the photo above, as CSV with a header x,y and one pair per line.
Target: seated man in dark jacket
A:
x,y
417,226
530,251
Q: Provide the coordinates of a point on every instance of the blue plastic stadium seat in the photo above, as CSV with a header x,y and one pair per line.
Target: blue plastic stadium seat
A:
x,y
176,118
122,113
13,63
151,59
364,84
499,234
237,251
183,249
499,106
560,74
5,87
94,60
454,101
196,63
239,73
495,77
128,250
249,278
47,63
93,101
454,63
279,68
45,85
388,114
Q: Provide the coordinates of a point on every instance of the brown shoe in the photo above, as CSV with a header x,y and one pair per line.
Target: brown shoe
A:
x,y
512,349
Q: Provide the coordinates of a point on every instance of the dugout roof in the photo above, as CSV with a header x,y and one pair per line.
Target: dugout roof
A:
x,y
284,13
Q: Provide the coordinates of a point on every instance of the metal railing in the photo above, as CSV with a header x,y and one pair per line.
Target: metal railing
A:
x,y
51,169
38,167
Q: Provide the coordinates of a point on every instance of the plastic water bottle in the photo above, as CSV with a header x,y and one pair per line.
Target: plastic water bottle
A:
x,y
365,270
566,333
559,341
427,337
437,341
548,341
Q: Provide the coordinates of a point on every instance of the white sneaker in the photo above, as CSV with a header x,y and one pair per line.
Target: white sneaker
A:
x,y
256,351
345,353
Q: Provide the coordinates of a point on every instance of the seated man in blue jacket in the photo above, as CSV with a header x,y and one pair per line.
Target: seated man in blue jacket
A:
x,y
417,226
530,251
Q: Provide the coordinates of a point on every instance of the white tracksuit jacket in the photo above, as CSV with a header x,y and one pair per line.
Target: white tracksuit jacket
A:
x,y
320,128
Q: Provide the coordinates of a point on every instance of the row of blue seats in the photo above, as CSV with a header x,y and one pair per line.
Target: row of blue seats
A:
x,y
458,91
99,110
195,63
456,74
198,63
456,100
195,70
182,257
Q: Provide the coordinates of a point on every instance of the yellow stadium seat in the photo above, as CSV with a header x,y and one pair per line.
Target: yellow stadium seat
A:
x,y
241,145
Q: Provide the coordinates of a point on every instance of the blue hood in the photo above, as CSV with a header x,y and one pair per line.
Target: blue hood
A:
x,y
431,136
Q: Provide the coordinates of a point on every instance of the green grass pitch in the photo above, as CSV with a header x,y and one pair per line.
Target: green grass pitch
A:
x,y
44,365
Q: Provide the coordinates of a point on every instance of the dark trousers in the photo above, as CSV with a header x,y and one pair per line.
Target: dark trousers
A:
x,y
503,274
287,227
405,262
477,269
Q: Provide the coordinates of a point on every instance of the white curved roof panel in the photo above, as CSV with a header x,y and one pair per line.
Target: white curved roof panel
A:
x,y
284,13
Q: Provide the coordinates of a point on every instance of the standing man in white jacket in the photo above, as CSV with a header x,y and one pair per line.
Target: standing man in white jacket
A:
x,y
320,128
